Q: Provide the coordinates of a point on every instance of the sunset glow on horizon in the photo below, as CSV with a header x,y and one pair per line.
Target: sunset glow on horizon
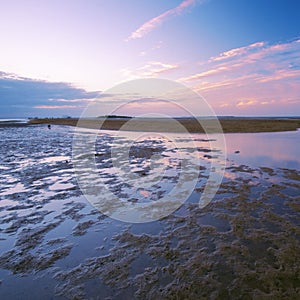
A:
x,y
243,57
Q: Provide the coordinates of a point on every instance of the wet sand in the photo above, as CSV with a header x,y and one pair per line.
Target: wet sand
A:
x,y
229,125
54,244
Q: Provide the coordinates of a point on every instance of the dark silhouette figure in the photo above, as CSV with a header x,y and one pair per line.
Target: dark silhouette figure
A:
x,y
49,126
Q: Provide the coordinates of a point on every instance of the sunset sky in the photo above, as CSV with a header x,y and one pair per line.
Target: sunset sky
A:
x,y
242,56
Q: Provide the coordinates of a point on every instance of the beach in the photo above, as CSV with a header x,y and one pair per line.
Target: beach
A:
x,y
243,244
149,150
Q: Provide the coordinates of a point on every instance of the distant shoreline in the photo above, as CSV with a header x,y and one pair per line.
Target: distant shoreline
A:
x,y
229,124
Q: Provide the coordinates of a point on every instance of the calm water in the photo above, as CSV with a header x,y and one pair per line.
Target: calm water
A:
x,y
277,150
56,245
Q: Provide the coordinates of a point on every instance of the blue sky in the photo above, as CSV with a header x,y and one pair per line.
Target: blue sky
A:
x,y
242,56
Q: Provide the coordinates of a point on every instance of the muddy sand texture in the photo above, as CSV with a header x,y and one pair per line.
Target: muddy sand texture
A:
x,y
243,245
229,125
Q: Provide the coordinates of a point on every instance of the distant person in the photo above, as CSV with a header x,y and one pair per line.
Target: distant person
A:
x,y
49,126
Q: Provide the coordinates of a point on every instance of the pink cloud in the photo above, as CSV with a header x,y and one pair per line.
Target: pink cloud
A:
x,y
55,106
282,74
247,102
251,59
266,64
229,82
251,96
237,51
72,100
157,21
151,69
204,74
256,79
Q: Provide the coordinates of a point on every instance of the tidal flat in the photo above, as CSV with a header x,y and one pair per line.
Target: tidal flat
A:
x,y
55,245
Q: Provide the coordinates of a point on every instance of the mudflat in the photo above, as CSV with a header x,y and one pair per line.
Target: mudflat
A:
x,y
55,244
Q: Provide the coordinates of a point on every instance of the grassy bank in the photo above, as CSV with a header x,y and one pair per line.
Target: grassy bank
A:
x,y
229,125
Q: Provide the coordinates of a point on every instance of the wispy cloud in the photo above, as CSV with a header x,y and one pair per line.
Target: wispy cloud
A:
x,y
151,69
157,21
155,47
253,76
247,102
224,83
72,100
54,106
259,58
203,74
237,51
281,74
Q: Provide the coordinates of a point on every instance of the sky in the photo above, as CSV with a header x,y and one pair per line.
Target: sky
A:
x,y
241,56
